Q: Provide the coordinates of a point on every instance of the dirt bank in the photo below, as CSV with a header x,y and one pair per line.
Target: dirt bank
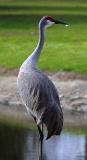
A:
x,y
73,94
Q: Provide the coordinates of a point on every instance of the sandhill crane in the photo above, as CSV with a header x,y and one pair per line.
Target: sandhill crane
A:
x,y
37,92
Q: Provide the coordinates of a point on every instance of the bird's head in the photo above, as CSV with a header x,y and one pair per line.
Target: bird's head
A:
x,y
47,21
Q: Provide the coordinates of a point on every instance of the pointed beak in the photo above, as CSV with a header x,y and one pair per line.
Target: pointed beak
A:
x,y
61,22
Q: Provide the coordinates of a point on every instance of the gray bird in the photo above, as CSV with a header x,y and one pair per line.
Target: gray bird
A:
x,y
37,91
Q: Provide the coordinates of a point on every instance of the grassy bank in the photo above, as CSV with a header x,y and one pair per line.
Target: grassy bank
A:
x,y
64,49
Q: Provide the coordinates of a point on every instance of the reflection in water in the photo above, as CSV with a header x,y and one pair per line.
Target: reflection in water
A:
x,y
19,144
66,147
12,142
86,148
31,147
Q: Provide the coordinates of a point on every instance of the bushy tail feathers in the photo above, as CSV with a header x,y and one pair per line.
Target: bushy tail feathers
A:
x,y
54,122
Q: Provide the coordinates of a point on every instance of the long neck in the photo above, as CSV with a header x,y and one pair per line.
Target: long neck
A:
x,y
36,53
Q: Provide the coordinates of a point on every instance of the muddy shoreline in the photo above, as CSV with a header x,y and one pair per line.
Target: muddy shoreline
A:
x,y
72,93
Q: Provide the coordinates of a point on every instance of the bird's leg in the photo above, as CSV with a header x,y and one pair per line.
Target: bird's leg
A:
x,y
40,131
41,144
41,139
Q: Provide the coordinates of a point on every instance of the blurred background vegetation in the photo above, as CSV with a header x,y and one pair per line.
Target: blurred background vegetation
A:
x,y
65,48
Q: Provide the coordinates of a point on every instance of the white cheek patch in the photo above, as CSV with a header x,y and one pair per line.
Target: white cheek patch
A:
x,y
49,23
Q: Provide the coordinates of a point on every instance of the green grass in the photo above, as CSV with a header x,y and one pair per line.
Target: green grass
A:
x,y
65,49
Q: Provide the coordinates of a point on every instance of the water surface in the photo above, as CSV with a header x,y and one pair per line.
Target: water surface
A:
x,y
22,144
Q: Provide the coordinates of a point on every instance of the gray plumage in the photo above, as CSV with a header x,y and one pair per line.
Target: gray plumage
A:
x,y
37,92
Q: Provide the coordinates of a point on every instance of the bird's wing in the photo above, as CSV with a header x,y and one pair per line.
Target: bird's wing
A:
x,y
49,100
41,97
45,90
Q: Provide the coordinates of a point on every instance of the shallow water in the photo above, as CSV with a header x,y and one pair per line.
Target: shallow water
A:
x,y
21,144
